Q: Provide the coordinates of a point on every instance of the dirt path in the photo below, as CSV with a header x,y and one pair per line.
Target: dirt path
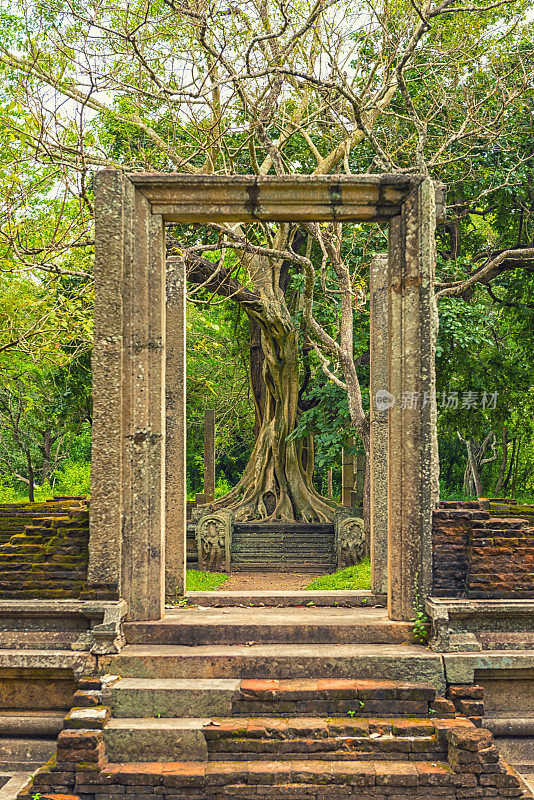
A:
x,y
284,581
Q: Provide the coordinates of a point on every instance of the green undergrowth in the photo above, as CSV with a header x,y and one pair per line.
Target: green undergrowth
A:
x,y
358,577
197,581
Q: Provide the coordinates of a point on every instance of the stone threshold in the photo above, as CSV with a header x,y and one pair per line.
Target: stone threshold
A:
x,y
287,599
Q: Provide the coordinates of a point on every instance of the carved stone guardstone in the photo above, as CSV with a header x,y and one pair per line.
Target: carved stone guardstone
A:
x,y
214,541
105,635
350,537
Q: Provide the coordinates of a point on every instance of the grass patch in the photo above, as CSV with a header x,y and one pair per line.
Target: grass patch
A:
x,y
197,581
358,577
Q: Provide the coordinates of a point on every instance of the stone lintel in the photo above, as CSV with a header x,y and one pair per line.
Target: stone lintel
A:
x,y
218,198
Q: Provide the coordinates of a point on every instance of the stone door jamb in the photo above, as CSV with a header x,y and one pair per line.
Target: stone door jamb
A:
x,y
138,536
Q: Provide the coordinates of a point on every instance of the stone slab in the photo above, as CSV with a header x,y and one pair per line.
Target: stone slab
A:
x,y
15,752
198,626
17,781
517,751
380,662
134,740
287,599
30,723
78,662
134,697
461,667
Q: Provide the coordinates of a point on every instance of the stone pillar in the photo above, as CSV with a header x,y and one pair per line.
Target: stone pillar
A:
x,y
347,477
329,488
359,481
175,474
411,450
143,583
379,423
209,455
113,207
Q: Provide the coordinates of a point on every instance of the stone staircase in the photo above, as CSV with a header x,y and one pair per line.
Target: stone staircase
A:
x,y
49,558
298,717
510,717
280,546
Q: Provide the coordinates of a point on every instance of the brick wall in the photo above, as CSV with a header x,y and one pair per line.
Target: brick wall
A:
x,y
480,555
15,516
49,558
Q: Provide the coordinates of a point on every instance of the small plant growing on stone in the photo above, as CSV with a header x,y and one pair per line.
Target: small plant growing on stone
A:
x,y
37,796
311,603
420,622
361,703
351,713
364,601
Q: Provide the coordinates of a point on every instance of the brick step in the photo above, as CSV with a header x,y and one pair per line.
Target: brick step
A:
x,y
270,778
13,580
163,698
192,626
502,523
128,740
376,662
14,589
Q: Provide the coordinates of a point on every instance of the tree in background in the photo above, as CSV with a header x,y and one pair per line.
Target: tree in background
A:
x,y
271,87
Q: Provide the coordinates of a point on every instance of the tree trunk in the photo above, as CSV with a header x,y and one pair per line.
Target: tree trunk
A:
x,y
512,461
504,460
46,450
276,483
31,495
516,467
257,381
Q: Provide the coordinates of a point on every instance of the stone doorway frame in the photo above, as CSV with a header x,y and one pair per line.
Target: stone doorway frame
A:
x,y
138,513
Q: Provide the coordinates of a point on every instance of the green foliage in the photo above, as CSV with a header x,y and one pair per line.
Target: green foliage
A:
x,y
420,626
197,581
74,478
357,577
217,377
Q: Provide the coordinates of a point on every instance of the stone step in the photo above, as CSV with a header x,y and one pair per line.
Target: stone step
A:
x,y
39,640
144,697
130,740
282,566
18,753
31,723
517,751
288,599
376,662
260,530
193,626
510,726
161,740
